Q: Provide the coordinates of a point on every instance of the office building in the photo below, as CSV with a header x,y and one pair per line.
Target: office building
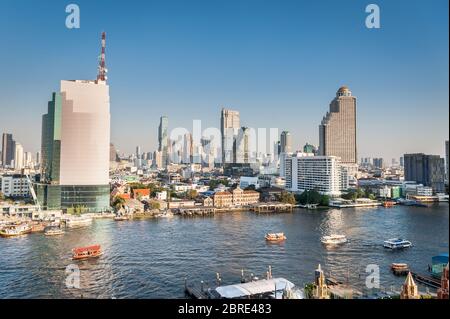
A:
x,y
229,127
163,140
428,170
18,157
337,131
286,142
76,145
8,149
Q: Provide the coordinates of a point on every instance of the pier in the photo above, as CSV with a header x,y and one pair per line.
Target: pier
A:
x,y
427,280
271,207
196,211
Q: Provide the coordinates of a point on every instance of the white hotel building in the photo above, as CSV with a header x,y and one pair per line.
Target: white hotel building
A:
x,y
326,174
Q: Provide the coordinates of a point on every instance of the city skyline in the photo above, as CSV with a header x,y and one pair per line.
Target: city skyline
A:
x,y
299,93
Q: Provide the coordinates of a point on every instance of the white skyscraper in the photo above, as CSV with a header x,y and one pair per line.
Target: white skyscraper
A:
x,y
18,157
229,127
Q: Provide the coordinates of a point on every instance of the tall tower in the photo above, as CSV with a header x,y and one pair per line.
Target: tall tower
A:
x,y
76,144
286,142
442,292
229,127
163,139
409,289
8,146
337,131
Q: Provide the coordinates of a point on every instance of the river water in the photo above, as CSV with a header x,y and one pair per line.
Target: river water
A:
x,y
151,258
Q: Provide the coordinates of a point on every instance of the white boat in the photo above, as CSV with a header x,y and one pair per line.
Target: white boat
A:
x,y
78,221
396,243
16,230
53,231
333,239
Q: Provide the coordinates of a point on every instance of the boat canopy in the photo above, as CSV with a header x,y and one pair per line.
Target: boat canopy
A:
x,y
254,288
83,249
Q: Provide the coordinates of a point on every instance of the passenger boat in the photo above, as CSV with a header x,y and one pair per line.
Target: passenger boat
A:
x,y
53,231
399,268
86,252
15,230
333,240
396,243
37,227
275,237
78,221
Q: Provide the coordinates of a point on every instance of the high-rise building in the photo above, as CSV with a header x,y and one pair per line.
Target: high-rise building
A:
x,y
243,146
18,157
446,161
229,127
428,170
286,142
402,162
378,162
325,174
8,146
337,131
113,157
76,145
163,139
27,160
188,149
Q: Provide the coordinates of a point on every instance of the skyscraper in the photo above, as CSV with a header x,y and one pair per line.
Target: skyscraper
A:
x,y
76,145
18,157
163,139
229,127
337,131
446,161
243,146
428,170
286,142
8,146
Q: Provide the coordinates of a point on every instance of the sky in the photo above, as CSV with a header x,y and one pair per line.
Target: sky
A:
x,y
279,63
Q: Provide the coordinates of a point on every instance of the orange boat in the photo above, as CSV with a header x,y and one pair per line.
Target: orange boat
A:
x,y
275,237
388,204
86,252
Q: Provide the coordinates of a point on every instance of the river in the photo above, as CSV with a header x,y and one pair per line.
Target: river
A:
x,y
151,258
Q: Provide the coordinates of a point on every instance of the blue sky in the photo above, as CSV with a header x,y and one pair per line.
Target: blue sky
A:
x,y
278,62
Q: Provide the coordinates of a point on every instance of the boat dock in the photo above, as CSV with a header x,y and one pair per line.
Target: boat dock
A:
x,y
427,280
270,207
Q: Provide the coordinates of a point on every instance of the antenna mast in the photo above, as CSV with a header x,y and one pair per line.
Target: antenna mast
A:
x,y
102,70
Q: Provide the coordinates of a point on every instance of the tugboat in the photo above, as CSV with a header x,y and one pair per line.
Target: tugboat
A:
x,y
86,252
275,237
334,240
17,230
396,243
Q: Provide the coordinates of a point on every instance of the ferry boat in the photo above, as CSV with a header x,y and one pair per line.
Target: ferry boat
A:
x,y
15,230
399,268
334,240
86,252
37,227
53,231
78,221
396,243
275,237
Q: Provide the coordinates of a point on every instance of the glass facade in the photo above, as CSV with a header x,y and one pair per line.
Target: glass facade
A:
x,y
88,199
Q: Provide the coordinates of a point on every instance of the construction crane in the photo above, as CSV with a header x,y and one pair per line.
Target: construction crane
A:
x,y
32,192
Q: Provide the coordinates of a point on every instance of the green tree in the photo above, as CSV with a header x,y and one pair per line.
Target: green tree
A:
x,y
288,198
191,194
118,202
155,205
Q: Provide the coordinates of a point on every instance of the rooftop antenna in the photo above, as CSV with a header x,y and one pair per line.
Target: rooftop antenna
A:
x,y
102,70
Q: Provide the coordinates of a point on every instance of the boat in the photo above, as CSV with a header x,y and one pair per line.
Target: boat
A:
x,y
16,230
37,227
78,221
333,240
119,218
396,243
388,204
53,231
399,268
86,252
275,237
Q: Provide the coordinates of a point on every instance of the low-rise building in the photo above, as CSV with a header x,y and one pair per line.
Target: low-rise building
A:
x,y
14,186
236,198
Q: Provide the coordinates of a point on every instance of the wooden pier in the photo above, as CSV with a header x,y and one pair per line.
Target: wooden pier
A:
x,y
427,280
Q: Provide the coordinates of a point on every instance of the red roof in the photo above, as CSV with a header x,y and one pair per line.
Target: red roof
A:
x,y
141,191
124,196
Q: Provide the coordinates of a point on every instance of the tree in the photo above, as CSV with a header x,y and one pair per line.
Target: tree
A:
x,y
118,202
155,205
191,194
288,198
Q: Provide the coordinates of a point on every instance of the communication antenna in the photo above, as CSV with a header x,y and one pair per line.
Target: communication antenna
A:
x,y
102,66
